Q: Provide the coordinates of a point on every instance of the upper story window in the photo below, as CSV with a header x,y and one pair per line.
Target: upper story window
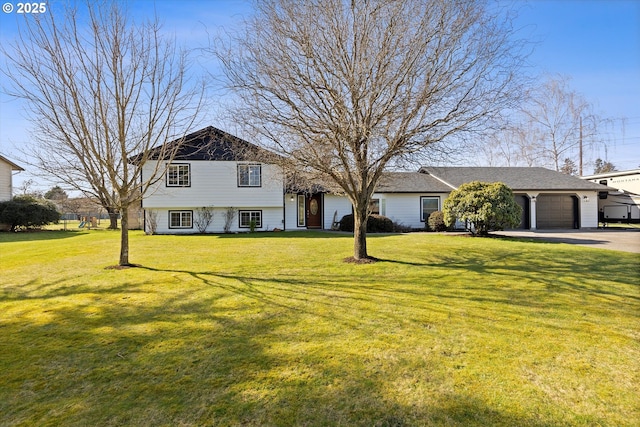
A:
x,y
179,175
249,175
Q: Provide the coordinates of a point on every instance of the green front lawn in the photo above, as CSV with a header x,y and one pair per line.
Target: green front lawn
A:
x,y
274,329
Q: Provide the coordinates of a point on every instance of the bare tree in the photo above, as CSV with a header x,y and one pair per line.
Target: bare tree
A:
x,y
346,88
100,89
558,120
513,144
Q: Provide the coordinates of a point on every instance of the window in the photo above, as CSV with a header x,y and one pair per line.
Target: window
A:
x,y
249,175
428,206
302,210
178,175
248,217
374,206
180,219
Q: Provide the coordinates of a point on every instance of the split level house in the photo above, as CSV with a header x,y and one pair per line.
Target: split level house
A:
x,y
223,173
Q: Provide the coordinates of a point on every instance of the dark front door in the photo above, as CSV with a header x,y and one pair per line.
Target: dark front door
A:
x,y
314,211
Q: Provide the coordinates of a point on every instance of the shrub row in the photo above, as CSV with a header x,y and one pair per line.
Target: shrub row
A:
x,y
375,224
382,224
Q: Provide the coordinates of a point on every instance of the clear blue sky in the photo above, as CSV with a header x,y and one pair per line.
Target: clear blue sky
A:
x,y
594,42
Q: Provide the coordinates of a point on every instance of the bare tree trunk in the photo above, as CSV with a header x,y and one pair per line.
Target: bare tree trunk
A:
x,y
113,218
360,232
124,238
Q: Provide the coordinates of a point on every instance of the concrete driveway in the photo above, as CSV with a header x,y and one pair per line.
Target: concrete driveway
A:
x,y
617,240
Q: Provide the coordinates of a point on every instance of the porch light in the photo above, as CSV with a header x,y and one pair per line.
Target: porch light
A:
x,y
585,198
292,199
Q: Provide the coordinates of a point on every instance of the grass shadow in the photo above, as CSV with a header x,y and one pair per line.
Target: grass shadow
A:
x,y
388,344
35,235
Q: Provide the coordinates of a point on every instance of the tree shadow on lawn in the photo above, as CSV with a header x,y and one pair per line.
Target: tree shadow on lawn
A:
x,y
192,358
535,293
34,235
583,271
189,361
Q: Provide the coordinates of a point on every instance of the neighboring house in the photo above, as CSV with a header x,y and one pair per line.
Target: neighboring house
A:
x,y
217,170
7,167
623,203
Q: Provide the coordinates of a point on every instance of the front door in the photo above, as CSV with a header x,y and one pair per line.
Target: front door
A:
x,y
314,211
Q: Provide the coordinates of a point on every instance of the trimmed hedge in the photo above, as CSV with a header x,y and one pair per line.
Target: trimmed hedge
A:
x,y
375,224
436,221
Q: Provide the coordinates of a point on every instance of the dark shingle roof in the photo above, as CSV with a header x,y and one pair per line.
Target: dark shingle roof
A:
x,y
211,143
410,182
517,178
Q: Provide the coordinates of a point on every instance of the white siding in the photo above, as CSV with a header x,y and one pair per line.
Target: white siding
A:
x,y
291,212
402,208
588,209
215,183
405,208
271,218
5,181
333,204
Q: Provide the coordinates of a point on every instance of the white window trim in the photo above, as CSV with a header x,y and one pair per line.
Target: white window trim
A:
x,y
252,213
372,201
177,183
302,216
250,175
422,198
190,213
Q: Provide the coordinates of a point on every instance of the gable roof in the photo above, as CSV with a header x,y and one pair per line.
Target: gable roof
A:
x,y
410,182
390,182
517,178
212,144
10,163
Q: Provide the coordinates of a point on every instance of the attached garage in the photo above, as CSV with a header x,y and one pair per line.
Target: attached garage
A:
x,y
557,211
549,199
